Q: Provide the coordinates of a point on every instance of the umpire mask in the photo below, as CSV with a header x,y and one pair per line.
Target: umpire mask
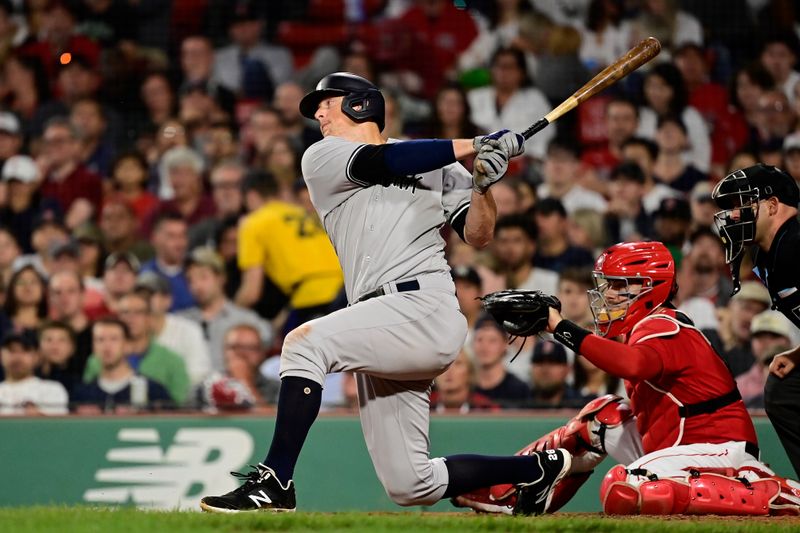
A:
x,y
736,223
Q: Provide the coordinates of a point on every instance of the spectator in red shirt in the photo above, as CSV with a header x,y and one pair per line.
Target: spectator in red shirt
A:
x,y
57,37
439,33
77,190
622,120
129,179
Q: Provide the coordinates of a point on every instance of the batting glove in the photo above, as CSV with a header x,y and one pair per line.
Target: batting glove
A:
x,y
490,165
513,144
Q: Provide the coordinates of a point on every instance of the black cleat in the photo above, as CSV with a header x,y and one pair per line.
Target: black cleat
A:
x,y
261,491
534,498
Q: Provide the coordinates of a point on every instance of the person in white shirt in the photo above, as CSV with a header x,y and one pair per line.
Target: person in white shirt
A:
x,y
22,393
511,102
232,63
561,168
180,334
665,94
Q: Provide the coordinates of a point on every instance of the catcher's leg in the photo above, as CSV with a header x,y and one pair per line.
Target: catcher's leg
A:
x,y
788,501
604,426
689,479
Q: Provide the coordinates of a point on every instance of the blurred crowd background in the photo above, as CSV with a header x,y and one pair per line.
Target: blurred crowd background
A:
x,y
157,240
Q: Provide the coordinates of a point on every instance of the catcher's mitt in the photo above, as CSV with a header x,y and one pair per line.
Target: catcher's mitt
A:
x,y
521,313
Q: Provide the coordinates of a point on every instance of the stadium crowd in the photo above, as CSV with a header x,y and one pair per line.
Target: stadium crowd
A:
x,y
157,240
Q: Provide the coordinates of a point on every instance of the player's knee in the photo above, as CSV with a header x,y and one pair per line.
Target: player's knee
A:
x,y
617,495
411,486
406,492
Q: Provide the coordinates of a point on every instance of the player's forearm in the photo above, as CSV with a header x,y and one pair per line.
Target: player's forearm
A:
x,y
250,290
638,362
481,216
463,148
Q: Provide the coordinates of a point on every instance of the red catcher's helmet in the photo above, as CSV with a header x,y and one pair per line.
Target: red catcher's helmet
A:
x,y
620,267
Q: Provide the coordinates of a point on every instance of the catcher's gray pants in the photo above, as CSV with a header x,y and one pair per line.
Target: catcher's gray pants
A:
x,y
397,344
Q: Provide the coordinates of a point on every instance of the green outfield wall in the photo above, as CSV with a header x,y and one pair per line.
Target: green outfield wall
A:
x,y
170,462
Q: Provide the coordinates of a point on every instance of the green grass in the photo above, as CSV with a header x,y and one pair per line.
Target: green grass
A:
x,y
84,519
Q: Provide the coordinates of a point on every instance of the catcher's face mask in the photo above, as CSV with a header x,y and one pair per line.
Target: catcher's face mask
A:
x,y
736,223
613,301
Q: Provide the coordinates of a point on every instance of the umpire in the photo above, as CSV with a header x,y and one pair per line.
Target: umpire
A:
x,y
759,208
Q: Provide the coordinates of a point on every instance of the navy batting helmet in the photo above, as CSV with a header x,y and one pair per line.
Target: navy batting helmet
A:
x,y
356,90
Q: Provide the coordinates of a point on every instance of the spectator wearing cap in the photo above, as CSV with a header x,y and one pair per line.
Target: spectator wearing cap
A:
x,y
182,191
77,190
549,371
771,334
454,389
644,153
513,250
468,291
492,378
115,385
561,173
752,299
177,333
65,298
249,66
144,355
10,135
170,241
197,64
779,57
703,272
226,179
57,355
214,312
119,226
671,167
119,278
671,225
627,219
702,206
24,204
553,249
21,392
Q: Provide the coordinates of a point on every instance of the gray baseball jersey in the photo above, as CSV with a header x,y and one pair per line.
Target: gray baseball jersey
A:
x,y
395,343
382,234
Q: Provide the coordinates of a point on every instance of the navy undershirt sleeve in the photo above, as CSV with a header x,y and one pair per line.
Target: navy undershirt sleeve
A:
x,y
381,164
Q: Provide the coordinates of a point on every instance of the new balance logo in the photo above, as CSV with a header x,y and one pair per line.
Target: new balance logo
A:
x,y
540,496
258,500
170,473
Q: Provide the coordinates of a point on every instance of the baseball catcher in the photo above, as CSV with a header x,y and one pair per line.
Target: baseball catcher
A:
x,y
685,442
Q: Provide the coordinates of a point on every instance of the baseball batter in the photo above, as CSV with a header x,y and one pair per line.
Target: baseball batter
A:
x,y
382,205
687,442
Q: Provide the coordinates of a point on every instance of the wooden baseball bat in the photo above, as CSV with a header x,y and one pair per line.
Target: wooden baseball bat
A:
x,y
635,58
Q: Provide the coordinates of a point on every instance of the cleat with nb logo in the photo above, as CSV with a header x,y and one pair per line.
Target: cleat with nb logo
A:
x,y
534,498
261,491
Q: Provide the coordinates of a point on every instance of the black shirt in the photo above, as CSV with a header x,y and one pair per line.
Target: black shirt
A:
x,y
778,270
510,391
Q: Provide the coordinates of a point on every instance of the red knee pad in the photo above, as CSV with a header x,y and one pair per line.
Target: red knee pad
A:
x,y
664,496
716,494
617,495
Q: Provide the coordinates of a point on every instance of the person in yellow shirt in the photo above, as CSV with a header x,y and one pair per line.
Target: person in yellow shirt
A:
x,y
288,245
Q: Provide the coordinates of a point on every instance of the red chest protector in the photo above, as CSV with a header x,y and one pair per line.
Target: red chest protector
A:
x,y
694,399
